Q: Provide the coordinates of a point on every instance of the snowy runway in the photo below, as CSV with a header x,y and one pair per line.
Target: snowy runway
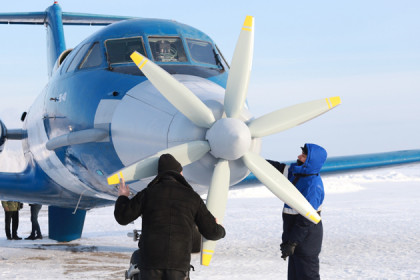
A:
x,y
371,231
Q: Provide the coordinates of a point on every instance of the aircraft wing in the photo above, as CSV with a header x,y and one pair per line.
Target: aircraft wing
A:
x,y
90,19
67,18
342,164
23,18
358,162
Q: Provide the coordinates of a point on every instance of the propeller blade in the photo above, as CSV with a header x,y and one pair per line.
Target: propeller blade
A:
x,y
240,70
175,92
216,203
291,116
184,153
278,184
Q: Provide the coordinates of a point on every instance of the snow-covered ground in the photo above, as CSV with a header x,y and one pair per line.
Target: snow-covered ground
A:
x,y
371,231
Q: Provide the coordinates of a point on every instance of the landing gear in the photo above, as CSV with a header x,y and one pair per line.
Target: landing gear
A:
x,y
133,272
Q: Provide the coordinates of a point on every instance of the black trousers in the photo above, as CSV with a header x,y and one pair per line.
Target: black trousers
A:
x,y
304,263
303,268
163,274
36,230
11,216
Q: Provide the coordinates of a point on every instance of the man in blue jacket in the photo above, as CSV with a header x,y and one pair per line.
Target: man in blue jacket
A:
x,y
302,239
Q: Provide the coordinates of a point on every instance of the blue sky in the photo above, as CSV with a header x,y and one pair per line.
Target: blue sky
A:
x,y
367,52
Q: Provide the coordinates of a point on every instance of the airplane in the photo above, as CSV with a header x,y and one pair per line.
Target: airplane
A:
x,y
139,88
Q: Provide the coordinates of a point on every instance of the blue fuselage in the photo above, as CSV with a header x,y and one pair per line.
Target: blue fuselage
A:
x,y
90,85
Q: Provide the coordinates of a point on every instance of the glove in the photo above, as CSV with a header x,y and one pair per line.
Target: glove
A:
x,y
287,249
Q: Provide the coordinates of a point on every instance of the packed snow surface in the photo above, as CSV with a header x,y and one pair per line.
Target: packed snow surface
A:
x,y
371,231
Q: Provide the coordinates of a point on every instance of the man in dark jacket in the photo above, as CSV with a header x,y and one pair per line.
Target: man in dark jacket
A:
x,y
302,239
170,210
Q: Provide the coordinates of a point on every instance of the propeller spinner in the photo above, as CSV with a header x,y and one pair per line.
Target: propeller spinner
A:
x,y
229,138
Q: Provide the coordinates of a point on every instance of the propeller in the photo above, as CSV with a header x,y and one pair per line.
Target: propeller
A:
x,y
228,139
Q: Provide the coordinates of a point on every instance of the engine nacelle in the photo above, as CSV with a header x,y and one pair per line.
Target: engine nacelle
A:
x,y
3,131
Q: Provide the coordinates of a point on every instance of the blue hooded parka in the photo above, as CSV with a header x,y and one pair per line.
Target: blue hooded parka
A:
x,y
306,177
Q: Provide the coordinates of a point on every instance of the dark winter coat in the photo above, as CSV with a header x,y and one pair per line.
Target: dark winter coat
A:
x,y
170,209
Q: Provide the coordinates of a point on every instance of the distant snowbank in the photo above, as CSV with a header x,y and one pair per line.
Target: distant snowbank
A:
x,y
331,185
350,182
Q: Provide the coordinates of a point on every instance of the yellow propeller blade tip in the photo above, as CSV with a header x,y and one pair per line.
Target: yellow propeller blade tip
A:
x,y
313,217
336,100
248,21
137,58
205,260
114,179
333,101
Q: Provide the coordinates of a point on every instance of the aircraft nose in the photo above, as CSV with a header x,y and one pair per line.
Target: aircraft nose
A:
x,y
145,123
139,127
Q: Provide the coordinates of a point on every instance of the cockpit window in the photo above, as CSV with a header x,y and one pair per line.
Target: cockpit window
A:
x,y
119,50
167,49
225,64
201,51
78,57
93,58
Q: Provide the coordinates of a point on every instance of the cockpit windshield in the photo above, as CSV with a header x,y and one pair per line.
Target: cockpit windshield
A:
x,y
174,54
167,49
119,50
